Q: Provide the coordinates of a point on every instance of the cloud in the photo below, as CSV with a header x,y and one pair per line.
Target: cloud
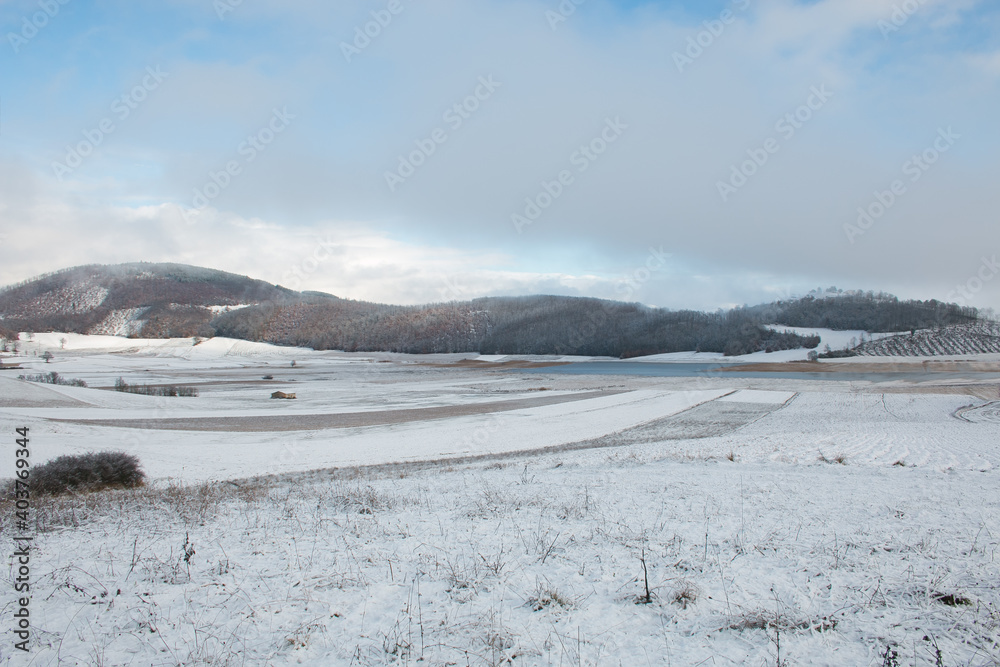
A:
x,y
656,185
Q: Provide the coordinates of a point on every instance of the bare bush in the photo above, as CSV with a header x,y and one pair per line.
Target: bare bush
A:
x,y
154,390
52,378
87,472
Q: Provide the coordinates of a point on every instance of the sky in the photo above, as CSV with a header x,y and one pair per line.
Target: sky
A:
x,y
679,154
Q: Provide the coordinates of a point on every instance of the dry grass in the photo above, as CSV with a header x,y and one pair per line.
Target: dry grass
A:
x,y
496,545
685,594
840,459
193,504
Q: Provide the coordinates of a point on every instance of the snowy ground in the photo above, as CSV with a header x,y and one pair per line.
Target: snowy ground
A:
x,y
831,521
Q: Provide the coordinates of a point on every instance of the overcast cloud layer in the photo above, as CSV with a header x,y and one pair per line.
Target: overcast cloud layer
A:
x,y
682,154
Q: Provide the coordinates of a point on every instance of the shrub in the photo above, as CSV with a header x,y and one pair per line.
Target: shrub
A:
x,y
839,458
87,472
838,354
150,390
52,378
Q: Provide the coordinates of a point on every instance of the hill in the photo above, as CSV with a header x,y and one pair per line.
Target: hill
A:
x,y
866,311
173,300
151,300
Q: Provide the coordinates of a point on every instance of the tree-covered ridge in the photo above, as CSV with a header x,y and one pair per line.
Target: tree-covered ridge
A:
x,y
865,311
172,300
505,325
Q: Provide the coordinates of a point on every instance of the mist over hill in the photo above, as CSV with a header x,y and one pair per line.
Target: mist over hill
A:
x,y
173,300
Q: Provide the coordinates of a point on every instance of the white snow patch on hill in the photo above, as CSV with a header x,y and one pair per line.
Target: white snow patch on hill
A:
x,y
836,339
227,309
124,322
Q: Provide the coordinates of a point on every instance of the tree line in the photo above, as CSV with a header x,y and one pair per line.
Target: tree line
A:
x,y
175,298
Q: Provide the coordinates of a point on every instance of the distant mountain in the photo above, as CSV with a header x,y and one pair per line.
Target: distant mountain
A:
x,y
172,300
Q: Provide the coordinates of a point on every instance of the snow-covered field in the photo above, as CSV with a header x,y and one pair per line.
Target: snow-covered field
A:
x,y
502,518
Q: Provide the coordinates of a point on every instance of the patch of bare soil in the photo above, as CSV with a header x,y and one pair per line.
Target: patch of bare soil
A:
x,y
209,383
313,422
928,366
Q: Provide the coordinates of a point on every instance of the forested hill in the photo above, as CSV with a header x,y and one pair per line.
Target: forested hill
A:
x,y
151,300
171,300
866,311
505,325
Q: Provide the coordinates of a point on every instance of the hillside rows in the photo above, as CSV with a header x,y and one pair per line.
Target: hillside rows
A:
x,y
977,338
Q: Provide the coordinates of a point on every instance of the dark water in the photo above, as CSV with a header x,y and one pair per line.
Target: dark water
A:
x,y
690,370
